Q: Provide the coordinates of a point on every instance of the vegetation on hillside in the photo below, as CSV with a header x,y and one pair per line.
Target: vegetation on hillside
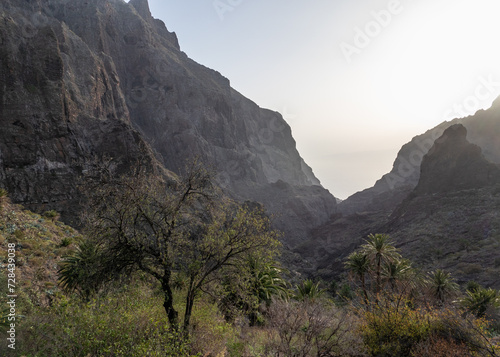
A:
x,y
174,269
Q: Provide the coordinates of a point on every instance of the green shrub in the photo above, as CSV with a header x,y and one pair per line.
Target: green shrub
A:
x,y
393,331
3,197
472,286
308,289
481,302
127,322
210,332
398,330
345,293
53,215
66,241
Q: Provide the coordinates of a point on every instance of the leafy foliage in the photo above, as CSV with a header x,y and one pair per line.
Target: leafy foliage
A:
x,y
481,301
397,317
52,215
268,282
379,251
126,322
391,329
80,271
378,266
165,229
441,286
309,290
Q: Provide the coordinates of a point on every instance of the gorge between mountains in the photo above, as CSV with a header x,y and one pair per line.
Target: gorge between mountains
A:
x,y
83,80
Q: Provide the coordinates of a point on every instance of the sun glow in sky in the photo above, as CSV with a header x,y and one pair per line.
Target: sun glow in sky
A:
x,y
417,64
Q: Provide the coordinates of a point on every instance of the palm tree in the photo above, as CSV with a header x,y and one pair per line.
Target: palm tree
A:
x,y
379,250
359,265
395,271
268,283
308,290
441,285
481,300
78,272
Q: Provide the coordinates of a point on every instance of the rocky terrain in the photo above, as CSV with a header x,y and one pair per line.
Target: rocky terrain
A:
x,y
83,80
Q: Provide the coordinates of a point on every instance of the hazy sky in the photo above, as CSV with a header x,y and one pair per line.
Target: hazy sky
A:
x,y
354,79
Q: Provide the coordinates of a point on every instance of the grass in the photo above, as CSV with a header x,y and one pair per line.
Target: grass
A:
x,y
37,256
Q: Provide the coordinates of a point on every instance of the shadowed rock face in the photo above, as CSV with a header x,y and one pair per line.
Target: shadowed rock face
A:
x,y
450,220
483,129
454,164
60,106
85,79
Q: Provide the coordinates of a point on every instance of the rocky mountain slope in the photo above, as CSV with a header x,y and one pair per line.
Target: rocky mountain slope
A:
x,y
81,80
450,220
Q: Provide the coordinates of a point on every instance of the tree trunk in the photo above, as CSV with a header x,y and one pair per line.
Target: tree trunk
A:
x,y
168,303
363,284
379,278
189,306
379,268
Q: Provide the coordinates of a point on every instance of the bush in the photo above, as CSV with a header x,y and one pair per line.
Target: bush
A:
x,y
393,331
473,286
125,323
66,241
439,346
210,333
3,197
398,330
311,328
52,215
482,302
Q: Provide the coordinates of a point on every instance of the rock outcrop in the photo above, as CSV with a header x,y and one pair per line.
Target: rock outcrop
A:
x,y
454,164
451,220
483,129
94,78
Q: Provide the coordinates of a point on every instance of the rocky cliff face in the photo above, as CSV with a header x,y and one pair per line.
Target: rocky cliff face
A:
x,y
60,106
81,79
451,220
454,164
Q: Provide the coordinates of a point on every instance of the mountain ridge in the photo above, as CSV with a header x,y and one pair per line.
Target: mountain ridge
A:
x,y
449,220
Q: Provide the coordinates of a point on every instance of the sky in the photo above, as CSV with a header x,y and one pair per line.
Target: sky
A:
x,y
354,79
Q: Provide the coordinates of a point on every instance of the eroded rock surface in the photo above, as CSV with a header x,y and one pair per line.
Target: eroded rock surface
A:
x,y
94,78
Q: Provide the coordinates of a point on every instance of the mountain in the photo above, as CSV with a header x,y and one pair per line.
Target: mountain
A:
x,y
454,164
449,220
83,80
390,190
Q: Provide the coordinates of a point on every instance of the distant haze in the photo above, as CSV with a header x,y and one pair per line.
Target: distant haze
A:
x,y
355,79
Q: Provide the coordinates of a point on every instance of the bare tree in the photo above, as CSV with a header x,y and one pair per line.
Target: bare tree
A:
x,y
312,328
